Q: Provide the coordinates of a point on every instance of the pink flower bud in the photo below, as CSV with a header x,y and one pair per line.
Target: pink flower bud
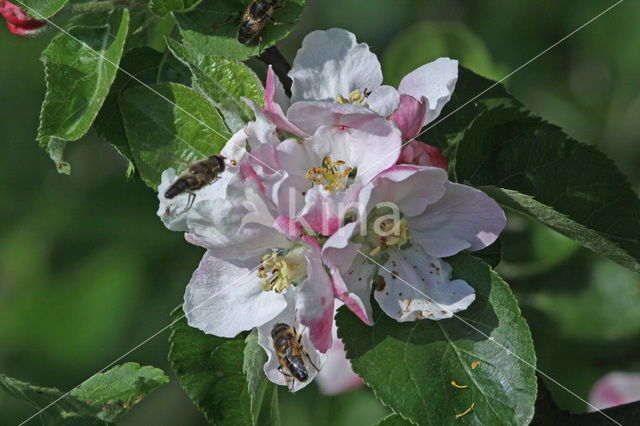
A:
x,y
20,23
615,388
419,153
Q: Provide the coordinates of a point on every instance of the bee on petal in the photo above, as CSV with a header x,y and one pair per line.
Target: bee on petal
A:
x,y
198,175
291,354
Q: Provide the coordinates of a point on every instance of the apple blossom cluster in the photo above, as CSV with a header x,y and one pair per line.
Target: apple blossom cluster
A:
x,y
326,198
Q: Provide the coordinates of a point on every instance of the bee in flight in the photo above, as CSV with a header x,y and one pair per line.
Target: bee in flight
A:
x,y
291,354
198,175
254,20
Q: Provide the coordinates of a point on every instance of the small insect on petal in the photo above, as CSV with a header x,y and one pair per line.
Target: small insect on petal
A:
x,y
475,364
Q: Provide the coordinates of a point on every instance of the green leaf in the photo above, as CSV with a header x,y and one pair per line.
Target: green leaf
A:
x,y
393,420
149,30
139,66
262,393
115,391
410,366
106,396
163,7
41,9
223,81
59,413
212,27
169,126
210,369
462,109
445,39
532,167
491,255
78,77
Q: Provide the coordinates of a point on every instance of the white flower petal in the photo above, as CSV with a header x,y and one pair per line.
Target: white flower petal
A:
x,y
414,286
353,287
171,212
384,100
331,63
309,115
410,188
224,298
236,148
434,81
464,218
271,367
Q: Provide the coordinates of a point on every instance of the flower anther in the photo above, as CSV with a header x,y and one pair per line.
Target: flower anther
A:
x,y
354,98
333,176
277,272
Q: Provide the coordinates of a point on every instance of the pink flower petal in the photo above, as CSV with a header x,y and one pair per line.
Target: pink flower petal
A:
x,y
410,116
416,152
464,218
615,388
337,376
434,81
315,296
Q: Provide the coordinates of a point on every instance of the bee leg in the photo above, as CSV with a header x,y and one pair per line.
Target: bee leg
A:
x,y
192,199
260,46
226,21
289,379
280,22
306,354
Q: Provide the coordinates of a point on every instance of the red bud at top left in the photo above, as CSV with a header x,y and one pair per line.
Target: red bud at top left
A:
x,y
20,23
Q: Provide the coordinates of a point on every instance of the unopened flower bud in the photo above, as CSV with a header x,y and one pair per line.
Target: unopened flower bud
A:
x,y
20,23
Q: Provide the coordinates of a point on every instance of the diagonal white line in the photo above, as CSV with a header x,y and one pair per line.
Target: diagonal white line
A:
x,y
489,338
503,78
39,16
273,255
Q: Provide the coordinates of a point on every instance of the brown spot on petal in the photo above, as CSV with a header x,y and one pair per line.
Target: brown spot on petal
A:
x,y
381,283
443,312
394,274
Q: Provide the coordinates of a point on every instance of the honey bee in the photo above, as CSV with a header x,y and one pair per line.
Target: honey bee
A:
x,y
198,175
254,19
291,353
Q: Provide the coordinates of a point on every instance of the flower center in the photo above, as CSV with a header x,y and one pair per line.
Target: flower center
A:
x,y
278,272
332,175
391,235
354,98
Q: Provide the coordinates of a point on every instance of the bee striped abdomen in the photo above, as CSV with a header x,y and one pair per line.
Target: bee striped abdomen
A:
x,y
177,188
295,364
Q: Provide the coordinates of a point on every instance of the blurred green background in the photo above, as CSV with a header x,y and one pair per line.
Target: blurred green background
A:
x,y
87,271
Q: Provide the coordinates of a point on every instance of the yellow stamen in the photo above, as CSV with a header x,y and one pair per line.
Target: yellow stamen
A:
x,y
466,411
274,273
354,98
475,364
330,175
458,386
